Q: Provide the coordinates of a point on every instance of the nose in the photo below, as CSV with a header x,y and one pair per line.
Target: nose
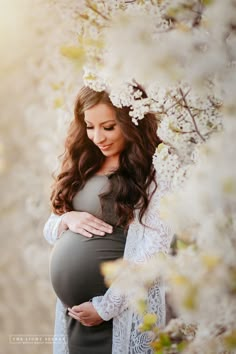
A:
x,y
98,137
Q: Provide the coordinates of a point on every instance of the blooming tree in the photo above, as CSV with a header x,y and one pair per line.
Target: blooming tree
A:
x,y
183,54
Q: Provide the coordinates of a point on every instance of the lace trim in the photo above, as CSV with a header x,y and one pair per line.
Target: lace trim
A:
x,y
50,230
60,342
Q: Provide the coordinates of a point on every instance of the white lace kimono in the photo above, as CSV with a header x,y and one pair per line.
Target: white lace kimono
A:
x,y
142,242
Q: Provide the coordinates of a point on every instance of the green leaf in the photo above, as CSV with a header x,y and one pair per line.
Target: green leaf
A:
x,y
165,340
150,319
181,245
230,340
207,2
181,346
73,52
229,186
190,300
160,147
58,102
142,306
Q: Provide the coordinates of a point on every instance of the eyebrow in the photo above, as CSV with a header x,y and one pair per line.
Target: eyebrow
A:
x,y
110,120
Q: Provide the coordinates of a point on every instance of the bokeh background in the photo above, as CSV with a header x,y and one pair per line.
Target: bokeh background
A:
x,y
32,128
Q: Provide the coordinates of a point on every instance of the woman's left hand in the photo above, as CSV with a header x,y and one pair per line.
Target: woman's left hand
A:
x,y
86,314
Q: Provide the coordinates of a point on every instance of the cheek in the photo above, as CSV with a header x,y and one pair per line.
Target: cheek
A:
x,y
120,139
118,136
90,134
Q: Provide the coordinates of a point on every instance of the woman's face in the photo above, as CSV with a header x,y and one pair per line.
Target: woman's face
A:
x,y
104,130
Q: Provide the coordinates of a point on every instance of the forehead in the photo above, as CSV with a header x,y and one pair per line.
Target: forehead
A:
x,y
100,113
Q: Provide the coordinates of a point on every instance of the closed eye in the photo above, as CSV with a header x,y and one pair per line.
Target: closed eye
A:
x,y
109,128
105,128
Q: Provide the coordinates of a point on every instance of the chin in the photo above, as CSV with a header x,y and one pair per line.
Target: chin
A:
x,y
107,153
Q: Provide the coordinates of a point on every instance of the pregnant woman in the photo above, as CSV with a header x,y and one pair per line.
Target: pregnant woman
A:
x,y
105,188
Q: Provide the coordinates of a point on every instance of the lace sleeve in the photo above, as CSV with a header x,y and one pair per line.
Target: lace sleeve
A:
x,y
110,304
143,241
154,235
60,340
50,230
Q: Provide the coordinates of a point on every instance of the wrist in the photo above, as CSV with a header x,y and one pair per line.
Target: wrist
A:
x,y
64,223
62,226
96,302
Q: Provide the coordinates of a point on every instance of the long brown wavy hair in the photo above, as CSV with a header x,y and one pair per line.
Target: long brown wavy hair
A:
x,y
129,184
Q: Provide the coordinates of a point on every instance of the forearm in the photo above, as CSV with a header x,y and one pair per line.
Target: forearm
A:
x,y
53,228
111,304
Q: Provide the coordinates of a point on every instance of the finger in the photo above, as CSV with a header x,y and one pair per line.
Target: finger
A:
x,y
98,223
80,315
83,232
81,307
86,324
102,225
84,319
93,230
76,313
76,310
76,317
91,323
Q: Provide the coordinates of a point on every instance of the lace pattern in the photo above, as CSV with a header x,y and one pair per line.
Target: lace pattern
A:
x,y
50,230
142,242
60,342
111,304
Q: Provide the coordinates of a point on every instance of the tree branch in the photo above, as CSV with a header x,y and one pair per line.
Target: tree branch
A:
x,y
91,7
191,115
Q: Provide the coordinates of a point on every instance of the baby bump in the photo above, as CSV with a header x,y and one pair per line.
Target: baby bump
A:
x,y
75,265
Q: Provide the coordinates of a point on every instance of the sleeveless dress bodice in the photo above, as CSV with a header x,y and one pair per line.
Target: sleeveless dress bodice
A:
x,y
75,267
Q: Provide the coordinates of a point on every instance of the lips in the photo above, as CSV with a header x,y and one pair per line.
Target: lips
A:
x,y
104,147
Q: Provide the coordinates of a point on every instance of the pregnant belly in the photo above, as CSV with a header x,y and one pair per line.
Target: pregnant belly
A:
x,y
75,265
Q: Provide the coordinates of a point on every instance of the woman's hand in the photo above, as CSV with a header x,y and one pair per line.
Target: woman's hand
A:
x,y
84,223
86,314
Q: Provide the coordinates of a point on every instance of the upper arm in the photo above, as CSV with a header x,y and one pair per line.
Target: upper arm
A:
x,y
153,234
157,233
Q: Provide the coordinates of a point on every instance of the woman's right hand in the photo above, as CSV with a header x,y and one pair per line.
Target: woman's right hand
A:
x,y
84,223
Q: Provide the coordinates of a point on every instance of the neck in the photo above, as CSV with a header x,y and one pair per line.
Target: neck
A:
x,y
110,164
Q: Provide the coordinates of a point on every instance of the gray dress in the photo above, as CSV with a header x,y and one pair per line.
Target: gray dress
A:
x,y
75,267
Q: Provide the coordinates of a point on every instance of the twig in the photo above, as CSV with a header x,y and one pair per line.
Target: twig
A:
x,y
178,101
191,115
184,132
89,5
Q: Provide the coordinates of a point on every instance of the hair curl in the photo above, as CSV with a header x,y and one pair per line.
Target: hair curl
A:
x,y
82,159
